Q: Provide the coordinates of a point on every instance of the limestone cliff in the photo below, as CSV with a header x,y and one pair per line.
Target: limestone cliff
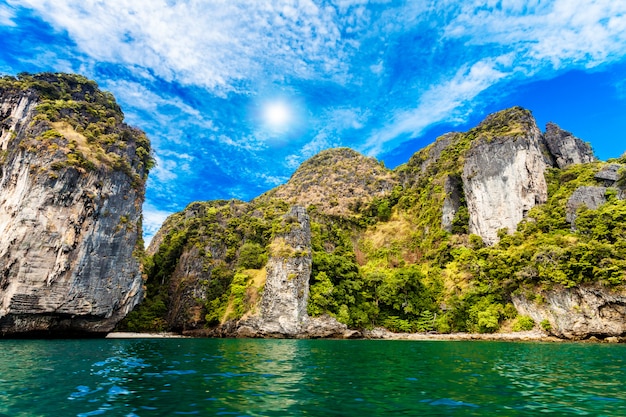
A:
x,y
71,188
577,313
283,311
419,248
503,175
286,291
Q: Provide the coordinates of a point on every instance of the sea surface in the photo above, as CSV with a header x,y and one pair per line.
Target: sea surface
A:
x,y
227,377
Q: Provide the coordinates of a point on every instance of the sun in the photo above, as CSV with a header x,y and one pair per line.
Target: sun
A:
x,y
276,114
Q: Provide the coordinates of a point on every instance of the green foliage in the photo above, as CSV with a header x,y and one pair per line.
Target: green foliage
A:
x,y
252,256
485,315
87,111
237,295
460,223
321,296
426,321
523,323
545,325
383,211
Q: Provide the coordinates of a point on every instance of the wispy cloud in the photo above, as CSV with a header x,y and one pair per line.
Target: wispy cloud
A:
x,y
153,218
447,101
505,41
559,33
6,16
214,44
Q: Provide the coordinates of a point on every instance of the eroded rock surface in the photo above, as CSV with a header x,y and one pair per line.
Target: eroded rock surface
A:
x,y
503,177
68,226
588,196
283,311
578,313
566,148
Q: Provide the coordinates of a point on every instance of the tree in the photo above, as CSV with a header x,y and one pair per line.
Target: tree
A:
x,y
252,256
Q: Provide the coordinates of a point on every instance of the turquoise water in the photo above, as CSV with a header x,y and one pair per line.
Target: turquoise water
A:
x,y
206,377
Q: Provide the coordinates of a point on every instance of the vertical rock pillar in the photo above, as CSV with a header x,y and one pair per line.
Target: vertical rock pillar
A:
x,y
284,302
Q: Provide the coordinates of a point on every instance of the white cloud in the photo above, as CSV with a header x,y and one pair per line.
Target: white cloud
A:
x,y
153,218
509,40
441,102
140,97
6,16
558,33
214,44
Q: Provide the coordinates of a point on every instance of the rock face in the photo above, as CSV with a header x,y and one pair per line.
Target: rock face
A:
x,y
588,196
286,293
566,148
283,306
578,313
503,175
610,174
453,187
70,214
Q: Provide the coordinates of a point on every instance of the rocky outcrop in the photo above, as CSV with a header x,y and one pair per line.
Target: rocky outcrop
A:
x,y
577,313
70,211
286,292
565,148
503,175
283,311
453,188
590,197
609,174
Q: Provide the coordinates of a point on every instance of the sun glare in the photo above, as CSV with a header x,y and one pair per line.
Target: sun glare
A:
x,y
276,114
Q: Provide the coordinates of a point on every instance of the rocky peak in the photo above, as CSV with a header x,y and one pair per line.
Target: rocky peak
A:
x,y
565,148
503,175
336,181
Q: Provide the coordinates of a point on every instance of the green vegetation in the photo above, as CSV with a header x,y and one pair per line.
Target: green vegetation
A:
x,y
216,240
523,323
81,125
386,260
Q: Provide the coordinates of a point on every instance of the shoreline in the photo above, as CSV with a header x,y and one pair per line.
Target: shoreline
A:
x,y
524,336
139,335
381,334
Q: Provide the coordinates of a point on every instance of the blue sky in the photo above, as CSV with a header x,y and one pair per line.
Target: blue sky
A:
x,y
235,94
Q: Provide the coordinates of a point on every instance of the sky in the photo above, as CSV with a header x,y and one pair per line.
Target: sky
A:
x,y
235,94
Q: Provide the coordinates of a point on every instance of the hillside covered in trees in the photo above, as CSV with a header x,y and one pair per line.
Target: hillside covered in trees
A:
x,y
474,230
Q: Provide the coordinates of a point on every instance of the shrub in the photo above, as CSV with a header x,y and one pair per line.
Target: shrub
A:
x,y
252,256
523,323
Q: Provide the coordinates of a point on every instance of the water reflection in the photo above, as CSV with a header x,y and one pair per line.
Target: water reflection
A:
x,y
297,377
571,379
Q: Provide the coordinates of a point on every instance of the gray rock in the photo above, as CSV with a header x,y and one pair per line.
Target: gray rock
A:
x,y
453,187
566,148
67,235
286,292
503,178
587,196
578,313
610,174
